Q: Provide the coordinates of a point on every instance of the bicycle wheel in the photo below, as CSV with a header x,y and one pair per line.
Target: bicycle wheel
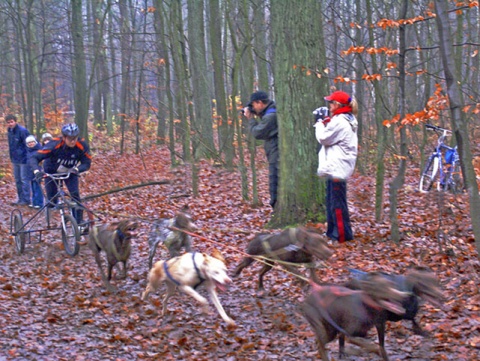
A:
x,y
17,223
455,180
429,175
70,235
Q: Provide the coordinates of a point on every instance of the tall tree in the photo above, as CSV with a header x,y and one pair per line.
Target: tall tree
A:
x,y
126,55
458,122
162,66
177,45
205,147
260,43
399,179
80,69
295,43
225,129
381,130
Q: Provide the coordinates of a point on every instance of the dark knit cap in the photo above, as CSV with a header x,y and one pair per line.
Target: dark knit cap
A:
x,y
258,95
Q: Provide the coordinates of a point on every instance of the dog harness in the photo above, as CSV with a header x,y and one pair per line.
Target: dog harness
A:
x,y
169,275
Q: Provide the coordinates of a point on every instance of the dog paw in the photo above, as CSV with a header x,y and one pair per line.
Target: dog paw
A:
x,y
261,293
110,288
230,322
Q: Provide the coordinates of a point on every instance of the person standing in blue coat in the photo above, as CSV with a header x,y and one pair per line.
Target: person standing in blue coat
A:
x,y
37,195
18,156
266,129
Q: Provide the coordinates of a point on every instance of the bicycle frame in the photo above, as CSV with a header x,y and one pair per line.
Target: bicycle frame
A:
x,y
434,171
62,200
65,204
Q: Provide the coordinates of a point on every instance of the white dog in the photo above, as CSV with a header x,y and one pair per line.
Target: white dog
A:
x,y
187,272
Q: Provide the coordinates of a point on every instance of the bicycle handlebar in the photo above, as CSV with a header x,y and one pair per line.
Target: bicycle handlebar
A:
x,y
434,127
59,176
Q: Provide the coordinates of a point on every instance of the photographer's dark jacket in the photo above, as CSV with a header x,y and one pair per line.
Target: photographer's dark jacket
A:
x,y
56,153
267,130
17,145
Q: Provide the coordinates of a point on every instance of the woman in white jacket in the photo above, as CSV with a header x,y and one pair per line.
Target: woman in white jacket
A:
x,y
336,160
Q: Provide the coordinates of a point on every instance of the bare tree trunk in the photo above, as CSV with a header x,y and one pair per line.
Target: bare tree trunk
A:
x,y
203,129
458,121
177,41
162,30
113,67
381,130
163,66
299,189
399,179
80,74
126,54
225,129
235,87
260,43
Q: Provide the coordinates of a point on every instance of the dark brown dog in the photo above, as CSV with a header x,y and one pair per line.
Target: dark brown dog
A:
x,y
420,282
333,310
114,240
293,245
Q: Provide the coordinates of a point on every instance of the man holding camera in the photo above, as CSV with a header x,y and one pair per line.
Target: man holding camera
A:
x,y
266,129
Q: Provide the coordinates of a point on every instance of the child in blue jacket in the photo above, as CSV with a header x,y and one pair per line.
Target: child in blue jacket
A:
x,y
37,195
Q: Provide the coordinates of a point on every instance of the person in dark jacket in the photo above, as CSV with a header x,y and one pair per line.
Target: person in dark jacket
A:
x,y
37,195
266,129
67,154
18,156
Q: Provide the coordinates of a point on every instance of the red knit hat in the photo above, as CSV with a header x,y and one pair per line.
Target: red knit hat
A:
x,y
339,96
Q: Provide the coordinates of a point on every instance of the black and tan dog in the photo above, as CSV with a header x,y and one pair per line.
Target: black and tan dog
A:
x,y
114,239
173,238
292,246
333,310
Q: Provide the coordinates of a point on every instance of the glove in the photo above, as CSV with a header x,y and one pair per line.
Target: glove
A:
x,y
39,174
320,113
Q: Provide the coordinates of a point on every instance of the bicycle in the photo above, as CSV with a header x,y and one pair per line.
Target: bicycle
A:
x,y
442,169
66,206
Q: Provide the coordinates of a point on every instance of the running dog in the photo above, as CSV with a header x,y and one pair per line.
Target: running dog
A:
x,y
114,240
420,282
333,310
292,246
187,272
173,239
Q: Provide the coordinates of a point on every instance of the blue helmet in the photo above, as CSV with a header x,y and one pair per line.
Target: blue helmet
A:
x,y
70,130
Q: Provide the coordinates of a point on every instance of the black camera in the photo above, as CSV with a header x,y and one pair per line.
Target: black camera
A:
x,y
249,107
320,113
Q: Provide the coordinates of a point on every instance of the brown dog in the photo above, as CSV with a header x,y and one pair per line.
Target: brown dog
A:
x,y
114,240
291,246
420,282
333,310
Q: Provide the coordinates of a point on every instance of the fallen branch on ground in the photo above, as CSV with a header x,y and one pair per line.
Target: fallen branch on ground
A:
x,y
134,186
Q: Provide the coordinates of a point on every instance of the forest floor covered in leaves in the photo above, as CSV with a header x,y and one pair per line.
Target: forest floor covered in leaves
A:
x,y
53,307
